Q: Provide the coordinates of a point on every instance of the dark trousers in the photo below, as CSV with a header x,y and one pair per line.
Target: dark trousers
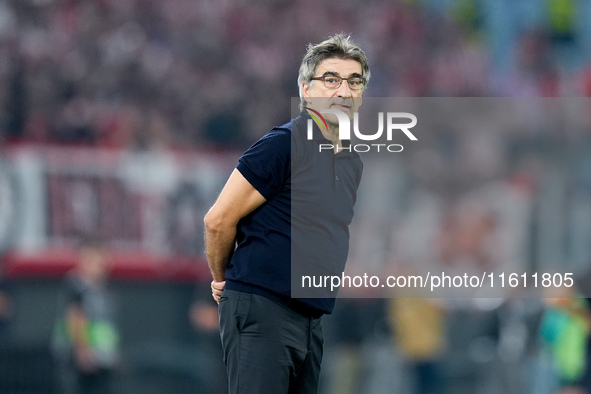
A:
x,y
268,347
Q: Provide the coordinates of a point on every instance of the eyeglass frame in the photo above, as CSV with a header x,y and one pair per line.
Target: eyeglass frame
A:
x,y
341,79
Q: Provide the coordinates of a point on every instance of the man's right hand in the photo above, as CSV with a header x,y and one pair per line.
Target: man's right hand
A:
x,y
238,199
216,290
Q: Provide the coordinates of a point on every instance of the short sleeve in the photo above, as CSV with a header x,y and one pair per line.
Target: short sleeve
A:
x,y
266,164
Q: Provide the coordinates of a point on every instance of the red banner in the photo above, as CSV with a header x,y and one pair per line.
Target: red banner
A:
x,y
146,209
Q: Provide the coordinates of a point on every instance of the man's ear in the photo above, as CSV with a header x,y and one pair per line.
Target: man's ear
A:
x,y
305,89
305,93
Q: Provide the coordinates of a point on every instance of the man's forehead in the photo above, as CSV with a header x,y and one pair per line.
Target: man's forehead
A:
x,y
343,67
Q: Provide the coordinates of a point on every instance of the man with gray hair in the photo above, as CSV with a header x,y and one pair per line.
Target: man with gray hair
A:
x,y
287,202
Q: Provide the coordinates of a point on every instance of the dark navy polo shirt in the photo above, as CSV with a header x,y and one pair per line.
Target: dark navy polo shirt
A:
x,y
310,194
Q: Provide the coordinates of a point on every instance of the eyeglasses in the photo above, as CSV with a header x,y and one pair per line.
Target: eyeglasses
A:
x,y
334,82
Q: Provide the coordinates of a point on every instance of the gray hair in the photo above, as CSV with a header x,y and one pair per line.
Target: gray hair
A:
x,y
338,46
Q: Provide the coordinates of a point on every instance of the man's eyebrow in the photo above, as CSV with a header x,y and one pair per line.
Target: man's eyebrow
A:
x,y
335,74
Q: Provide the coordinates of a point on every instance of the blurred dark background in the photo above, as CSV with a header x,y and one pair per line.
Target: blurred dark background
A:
x,y
120,120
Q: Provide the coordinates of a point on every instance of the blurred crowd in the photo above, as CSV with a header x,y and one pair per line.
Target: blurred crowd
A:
x,y
196,75
193,74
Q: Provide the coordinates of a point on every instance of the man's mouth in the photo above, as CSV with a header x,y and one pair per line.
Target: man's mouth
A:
x,y
341,106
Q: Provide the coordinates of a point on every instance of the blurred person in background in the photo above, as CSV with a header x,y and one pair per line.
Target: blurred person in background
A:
x,y
419,334
86,341
272,342
564,335
203,315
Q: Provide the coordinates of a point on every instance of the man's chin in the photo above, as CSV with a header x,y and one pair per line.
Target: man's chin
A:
x,y
348,110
